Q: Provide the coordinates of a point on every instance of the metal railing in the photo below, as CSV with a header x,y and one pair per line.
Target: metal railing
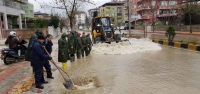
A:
x,y
13,4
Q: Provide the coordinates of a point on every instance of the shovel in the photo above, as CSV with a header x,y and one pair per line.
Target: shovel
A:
x,y
68,82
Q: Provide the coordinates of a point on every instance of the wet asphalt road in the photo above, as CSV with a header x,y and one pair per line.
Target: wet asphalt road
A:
x,y
168,71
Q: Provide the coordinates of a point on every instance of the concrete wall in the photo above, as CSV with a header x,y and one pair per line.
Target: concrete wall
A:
x,y
25,33
54,32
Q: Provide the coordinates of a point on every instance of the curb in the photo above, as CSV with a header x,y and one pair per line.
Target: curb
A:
x,y
178,44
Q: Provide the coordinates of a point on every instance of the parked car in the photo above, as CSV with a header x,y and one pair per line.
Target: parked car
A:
x,y
126,27
121,27
80,27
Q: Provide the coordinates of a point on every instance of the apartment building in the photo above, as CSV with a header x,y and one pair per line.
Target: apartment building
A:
x,y
42,15
80,18
156,10
11,12
114,9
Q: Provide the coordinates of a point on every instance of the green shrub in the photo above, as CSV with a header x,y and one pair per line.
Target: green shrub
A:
x,y
170,33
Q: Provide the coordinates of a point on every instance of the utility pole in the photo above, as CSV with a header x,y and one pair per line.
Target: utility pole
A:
x,y
129,17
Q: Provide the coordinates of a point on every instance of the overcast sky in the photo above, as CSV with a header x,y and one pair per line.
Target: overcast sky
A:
x,y
38,3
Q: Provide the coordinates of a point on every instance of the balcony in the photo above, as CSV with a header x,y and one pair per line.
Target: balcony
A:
x,y
140,8
139,0
15,5
146,17
169,7
167,15
22,1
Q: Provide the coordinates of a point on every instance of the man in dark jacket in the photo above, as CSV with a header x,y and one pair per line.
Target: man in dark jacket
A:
x,y
72,44
63,47
48,45
84,45
13,41
38,57
89,42
79,46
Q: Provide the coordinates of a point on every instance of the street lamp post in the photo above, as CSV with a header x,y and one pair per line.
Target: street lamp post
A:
x,y
129,17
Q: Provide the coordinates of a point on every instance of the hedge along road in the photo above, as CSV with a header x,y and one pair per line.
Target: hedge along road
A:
x,y
165,71
180,36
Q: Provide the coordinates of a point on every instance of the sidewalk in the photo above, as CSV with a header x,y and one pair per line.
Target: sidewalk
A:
x,y
163,32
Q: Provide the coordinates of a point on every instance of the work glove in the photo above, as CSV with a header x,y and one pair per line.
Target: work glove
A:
x,y
50,58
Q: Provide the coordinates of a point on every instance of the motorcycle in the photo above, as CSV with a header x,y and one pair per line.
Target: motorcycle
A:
x,y
10,56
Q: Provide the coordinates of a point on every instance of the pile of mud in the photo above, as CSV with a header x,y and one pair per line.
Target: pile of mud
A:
x,y
127,47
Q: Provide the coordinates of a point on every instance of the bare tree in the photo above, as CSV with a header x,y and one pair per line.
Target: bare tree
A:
x,y
71,7
153,10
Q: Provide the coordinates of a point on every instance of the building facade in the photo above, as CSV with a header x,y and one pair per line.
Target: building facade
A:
x,y
80,18
114,10
42,15
164,11
29,12
11,12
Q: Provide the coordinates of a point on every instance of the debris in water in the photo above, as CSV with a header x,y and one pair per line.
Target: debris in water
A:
x,y
127,47
88,86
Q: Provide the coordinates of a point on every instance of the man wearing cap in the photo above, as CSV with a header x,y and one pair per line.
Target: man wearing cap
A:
x,y
38,57
79,45
84,45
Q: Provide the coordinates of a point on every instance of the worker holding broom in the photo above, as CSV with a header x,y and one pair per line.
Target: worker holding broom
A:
x,y
63,50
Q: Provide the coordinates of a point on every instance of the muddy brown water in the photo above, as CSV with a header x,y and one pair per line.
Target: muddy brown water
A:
x,y
168,71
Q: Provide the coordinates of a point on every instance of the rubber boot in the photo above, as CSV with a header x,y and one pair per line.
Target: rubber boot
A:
x,y
64,65
71,58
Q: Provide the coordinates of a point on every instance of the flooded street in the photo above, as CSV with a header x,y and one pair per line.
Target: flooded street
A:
x,y
166,71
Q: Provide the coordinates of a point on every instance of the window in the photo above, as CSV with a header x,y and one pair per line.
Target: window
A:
x,y
172,2
173,11
163,12
119,10
143,13
153,3
163,3
113,8
105,21
134,6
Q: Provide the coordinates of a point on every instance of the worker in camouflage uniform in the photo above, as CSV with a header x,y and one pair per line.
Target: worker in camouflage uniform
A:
x,y
72,41
84,45
79,46
89,42
63,54
32,39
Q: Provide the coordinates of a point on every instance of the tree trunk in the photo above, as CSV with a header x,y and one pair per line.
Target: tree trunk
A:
x,y
71,22
153,21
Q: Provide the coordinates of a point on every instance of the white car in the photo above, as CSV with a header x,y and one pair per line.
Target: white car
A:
x,y
121,27
80,27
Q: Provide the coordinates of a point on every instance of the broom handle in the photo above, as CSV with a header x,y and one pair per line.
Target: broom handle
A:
x,y
55,64
52,61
